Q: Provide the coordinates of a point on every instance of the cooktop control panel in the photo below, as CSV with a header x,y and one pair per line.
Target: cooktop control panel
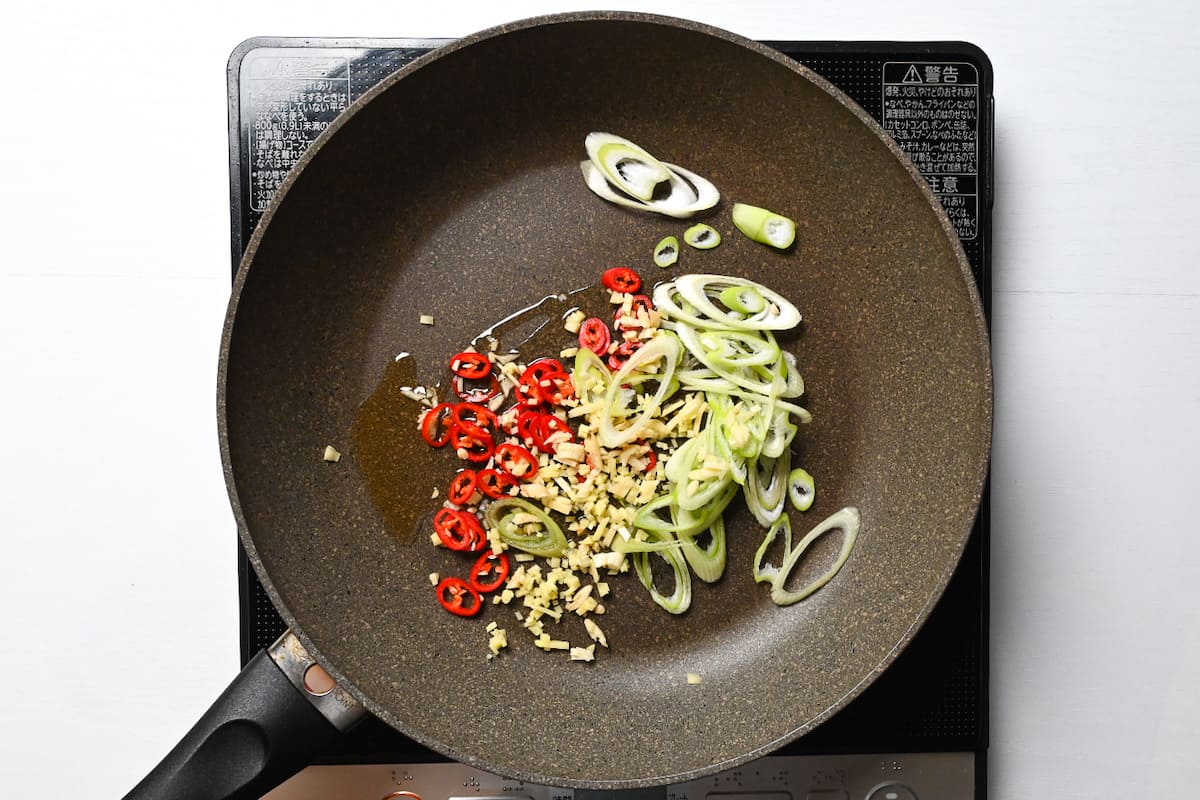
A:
x,y
909,776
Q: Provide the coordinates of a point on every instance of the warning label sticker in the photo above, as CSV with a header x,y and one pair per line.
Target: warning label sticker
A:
x,y
287,101
931,109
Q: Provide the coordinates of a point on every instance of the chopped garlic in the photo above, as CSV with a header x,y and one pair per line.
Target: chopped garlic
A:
x,y
434,578
331,454
694,678
426,319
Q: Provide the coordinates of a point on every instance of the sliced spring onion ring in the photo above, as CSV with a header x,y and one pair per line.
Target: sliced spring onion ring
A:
x,y
626,165
547,540
679,521
589,372
681,598
847,520
707,562
685,195
666,252
794,383
664,345
779,314
702,237
766,487
702,473
763,226
744,299
801,489
765,573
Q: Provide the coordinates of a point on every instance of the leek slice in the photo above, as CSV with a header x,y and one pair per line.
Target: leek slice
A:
x,y
801,489
681,598
763,226
626,165
702,237
779,314
707,562
589,372
755,378
666,252
793,382
680,521
743,299
766,487
766,573
780,433
685,195
698,472
546,540
847,520
664,346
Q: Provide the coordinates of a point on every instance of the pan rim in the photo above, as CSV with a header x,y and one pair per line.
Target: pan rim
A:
x,y
982,339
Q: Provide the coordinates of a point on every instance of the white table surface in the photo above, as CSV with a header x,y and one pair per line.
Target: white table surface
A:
x,y
117,575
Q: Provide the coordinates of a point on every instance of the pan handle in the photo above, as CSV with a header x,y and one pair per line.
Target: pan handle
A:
x,y
275,715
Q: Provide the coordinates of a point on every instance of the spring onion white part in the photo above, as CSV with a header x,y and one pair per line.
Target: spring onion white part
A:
x,y
666,252
663,346
847,521
700,290
763,226
681,598
523,525
766,487
708,561
683,197
801,489
622,172
702,237
744,299
765,573
625,165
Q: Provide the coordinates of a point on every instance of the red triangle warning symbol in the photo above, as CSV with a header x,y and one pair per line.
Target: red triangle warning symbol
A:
x,y
912,76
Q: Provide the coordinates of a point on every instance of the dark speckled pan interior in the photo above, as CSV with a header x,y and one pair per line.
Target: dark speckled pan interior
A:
x,y
454,190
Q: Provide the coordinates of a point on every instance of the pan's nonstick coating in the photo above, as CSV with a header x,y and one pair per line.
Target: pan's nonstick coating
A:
x,y
454,190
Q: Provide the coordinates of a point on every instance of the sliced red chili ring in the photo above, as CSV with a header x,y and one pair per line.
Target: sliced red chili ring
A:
x,y
554,387
622,279
476,443
529,427
622,354
437,425
490,572
462,487
595,335
471,365
517,461
540,367
459,597
494,483
652,460
548,425
468,414
459,530
480,391
629,320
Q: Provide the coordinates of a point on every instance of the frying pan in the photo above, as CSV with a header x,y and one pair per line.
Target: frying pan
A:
x,y
453,190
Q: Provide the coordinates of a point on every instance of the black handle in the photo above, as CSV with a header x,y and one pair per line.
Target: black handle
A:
x,y
258,733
